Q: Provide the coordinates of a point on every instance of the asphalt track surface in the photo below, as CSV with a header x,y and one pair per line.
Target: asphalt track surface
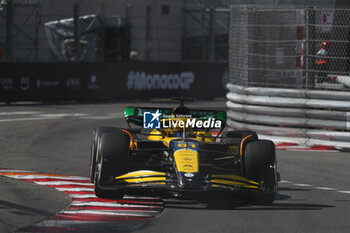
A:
x,y
314,193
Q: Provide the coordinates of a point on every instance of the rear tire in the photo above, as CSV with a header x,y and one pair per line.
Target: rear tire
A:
x,y
112,160
259,164
235,137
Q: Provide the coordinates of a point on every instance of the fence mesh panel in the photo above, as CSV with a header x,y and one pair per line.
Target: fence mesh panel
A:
x,y
327,48
292,48
265,46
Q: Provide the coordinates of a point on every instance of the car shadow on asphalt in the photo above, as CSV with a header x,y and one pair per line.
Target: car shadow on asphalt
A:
x,y
288,206
281,203
292,189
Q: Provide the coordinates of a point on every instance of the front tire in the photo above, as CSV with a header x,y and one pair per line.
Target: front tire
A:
x,y
259,164
95,136
112,160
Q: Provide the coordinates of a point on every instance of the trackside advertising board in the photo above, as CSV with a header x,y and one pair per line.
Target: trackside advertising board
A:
x,y
94,81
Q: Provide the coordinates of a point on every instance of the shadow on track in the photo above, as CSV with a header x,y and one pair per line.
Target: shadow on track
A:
x,y
288,206
292,189
241,204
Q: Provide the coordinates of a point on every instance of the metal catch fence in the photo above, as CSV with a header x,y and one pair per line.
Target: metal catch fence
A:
x,y
290,74
290,48
327,48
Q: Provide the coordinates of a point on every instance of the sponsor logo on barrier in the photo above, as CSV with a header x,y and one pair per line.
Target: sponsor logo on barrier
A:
x,y
73,83
93,83
24,83
46,83
143,81
151,120
6,83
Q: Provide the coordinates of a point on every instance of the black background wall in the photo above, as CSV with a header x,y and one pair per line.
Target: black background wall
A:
x,y
97,81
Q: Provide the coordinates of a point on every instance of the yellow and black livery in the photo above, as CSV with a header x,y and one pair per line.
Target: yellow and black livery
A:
x,y
181,161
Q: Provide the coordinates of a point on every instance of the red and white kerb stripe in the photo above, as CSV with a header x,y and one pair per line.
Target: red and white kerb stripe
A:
x,y
293,146
297,147
88,213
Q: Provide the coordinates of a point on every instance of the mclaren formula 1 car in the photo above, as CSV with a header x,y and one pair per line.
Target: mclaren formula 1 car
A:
x,y
181,156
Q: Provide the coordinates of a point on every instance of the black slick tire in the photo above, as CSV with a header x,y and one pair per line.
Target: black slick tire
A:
x,y
95,135
112,160
259,164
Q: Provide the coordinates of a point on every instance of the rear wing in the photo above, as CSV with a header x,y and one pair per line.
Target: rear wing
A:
x,y
135,114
